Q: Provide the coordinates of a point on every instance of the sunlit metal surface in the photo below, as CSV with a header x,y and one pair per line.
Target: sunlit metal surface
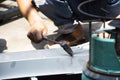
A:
x,y
43,62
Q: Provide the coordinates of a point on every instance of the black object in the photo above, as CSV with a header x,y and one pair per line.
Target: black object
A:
x,y
63,45
66,48
94,7
96,17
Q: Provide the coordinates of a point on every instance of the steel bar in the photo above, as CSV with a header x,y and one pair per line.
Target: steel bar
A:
x,y
43,62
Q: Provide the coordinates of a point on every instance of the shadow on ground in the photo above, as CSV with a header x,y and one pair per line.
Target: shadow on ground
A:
x,y
42,44
3,45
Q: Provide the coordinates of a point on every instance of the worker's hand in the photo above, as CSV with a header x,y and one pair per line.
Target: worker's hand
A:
x,y
104,35
37,32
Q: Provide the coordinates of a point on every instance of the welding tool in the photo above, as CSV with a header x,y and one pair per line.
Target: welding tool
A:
x,y
63,45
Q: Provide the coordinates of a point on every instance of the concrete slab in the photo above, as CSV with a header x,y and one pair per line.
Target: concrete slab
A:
x,y
13,34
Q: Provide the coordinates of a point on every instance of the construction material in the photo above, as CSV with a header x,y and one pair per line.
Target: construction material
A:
x,y
43,62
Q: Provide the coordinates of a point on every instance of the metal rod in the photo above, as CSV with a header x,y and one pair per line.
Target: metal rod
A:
x,y
90,33
63,45
103,27
45,38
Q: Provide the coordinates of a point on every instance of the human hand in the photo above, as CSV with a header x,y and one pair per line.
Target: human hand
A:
x,y
37,32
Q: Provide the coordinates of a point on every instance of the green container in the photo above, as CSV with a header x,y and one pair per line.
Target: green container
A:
x,y
103,56
104,63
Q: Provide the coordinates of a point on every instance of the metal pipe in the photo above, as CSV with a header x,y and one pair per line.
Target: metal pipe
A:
x,y
63,45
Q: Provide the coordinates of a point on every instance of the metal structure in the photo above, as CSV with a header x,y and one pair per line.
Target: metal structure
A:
x,y
43,62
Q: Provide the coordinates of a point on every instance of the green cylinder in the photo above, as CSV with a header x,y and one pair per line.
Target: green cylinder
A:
x,y
104,63
103,56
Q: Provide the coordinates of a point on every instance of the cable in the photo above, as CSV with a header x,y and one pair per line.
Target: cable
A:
x,y
92,15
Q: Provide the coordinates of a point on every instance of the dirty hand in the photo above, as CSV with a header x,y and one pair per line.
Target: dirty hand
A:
x,y
37,32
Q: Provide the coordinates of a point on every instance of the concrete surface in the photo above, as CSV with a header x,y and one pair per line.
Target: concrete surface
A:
x,y
13,34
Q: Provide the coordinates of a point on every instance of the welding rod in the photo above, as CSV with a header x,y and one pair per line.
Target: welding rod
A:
x,y
63,45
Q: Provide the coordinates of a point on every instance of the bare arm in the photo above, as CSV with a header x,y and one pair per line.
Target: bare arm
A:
x,y
28,11
37,27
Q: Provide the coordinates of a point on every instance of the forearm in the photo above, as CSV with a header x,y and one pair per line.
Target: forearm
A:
x,y
118,16
28,11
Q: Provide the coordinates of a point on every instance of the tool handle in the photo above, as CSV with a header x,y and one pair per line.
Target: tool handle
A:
x,y
45,38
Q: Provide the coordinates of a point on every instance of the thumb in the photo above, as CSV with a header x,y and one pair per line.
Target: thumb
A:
x,y
45,33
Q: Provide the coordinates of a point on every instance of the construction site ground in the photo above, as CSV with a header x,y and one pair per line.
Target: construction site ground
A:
x,y
13,34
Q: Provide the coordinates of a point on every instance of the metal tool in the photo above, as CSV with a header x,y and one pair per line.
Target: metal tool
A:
x,y
109,30
63,45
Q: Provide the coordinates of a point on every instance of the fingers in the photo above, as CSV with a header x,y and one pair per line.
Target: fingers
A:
x,y
44,33
35,36
104,35
37,33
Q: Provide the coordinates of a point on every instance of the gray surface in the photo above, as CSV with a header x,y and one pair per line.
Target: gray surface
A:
x,y
43,62
13,35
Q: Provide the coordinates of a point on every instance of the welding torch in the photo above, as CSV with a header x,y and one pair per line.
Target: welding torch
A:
x,y
62,44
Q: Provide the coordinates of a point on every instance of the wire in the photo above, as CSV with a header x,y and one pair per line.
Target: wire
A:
x,y
92,15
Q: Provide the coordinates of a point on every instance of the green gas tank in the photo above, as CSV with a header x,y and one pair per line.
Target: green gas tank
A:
x,y
104,63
